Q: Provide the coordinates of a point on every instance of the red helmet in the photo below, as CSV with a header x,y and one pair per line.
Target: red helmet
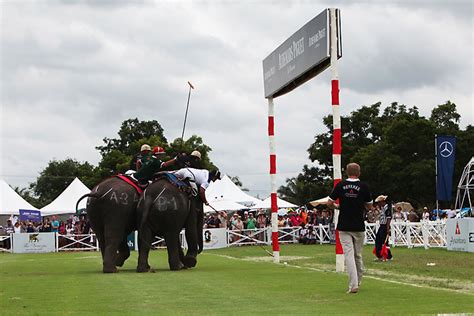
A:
x,y
157,150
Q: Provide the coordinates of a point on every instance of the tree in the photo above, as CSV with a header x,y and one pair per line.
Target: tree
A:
x,y
56,177
131,133
445,118
395,150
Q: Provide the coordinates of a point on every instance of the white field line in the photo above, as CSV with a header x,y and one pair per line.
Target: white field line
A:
x,y
283,258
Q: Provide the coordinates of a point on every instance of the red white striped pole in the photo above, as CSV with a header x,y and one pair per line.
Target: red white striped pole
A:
x,y
273,194
336,123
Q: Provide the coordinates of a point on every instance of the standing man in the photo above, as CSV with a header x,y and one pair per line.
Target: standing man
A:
x,y
384,229
354,196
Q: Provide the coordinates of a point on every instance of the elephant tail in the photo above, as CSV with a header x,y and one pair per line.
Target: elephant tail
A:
x,y
92,195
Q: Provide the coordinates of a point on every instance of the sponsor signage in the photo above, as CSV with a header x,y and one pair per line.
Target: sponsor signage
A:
x,y
445,157
214,238
30,216
34,242
460,234
301,57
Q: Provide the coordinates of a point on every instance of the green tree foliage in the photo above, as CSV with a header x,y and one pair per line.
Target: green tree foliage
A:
x,y
55,178
395,150
116,154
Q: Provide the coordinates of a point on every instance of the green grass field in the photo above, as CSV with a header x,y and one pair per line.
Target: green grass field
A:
x,y
238,281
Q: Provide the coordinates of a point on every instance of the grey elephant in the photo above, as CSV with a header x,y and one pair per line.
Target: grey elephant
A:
x,y
164,210
111,210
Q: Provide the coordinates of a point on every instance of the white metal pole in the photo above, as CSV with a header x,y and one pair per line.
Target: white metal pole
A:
x,y
273,193
336,121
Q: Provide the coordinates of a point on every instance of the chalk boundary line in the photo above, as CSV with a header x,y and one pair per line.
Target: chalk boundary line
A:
x,y
258,260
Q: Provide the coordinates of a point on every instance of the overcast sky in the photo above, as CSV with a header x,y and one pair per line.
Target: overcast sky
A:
x,y
73,71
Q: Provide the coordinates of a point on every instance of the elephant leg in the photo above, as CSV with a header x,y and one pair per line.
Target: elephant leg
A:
x,y
191,232
145,237
173,246
110,253
123,253
101,239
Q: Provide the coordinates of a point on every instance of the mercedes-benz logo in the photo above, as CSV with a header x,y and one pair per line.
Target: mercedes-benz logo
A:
x,y
446,149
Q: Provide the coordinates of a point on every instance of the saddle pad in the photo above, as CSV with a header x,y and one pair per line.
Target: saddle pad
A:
x,y
172,179
131,182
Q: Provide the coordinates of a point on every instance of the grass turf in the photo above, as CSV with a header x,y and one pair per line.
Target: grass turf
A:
x,y
238,281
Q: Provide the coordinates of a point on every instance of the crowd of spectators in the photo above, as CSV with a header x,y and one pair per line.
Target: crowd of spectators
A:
x,y
412,215
242,222
74,225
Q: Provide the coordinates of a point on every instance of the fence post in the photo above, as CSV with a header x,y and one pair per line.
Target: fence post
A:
x,y
424,231
408,235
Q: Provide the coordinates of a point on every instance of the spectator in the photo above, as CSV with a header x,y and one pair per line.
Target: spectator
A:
x,y
62,228
426,214
304,216
245,219
413,217
9,229
262,221
54,225
222,217
303,232
30,228
397,216
251,222
212,222
295,220
17,228
311,235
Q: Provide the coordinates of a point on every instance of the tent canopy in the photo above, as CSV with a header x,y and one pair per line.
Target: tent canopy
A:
x,y
11,202
225,189
223,205
267,203
65,203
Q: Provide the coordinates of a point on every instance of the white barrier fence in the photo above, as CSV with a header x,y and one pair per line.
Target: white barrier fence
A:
x,y
420,234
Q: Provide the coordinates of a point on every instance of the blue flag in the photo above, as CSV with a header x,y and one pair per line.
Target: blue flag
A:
x,y
445,155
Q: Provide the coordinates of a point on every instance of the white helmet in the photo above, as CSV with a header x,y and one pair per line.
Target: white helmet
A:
x,y
196,154
145,147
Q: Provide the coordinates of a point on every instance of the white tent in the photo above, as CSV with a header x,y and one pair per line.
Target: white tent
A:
x,y
225,189
223,205
11,202
65,203
280,203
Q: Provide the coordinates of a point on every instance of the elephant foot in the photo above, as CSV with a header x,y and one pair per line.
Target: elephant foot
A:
x,y
109,270
190,262
121,260
147,268
175,267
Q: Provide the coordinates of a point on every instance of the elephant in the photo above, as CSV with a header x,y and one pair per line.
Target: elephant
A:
x,y
111,209
164,210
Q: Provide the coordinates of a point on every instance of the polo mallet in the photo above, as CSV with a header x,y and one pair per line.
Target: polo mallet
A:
x,y
187,107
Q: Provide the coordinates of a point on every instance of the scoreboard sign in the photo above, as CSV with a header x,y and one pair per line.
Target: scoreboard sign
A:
x,y
301,57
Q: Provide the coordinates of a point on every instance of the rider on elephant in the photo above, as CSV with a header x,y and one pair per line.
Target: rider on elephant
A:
x,y
199,179
150,163
145,149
